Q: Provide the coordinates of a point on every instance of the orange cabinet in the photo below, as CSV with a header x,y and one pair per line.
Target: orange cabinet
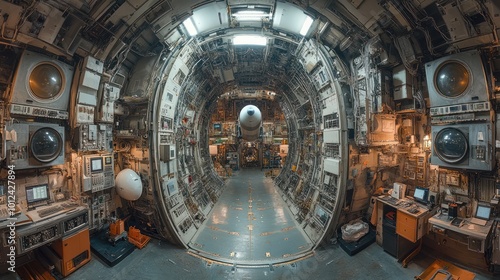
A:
x,y
406,226
71,252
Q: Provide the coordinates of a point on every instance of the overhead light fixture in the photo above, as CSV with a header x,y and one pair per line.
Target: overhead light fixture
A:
x,y
250,15
249,40
306,25
249,12
191,29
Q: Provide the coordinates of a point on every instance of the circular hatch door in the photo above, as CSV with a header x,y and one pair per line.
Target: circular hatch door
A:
x,y
46,144
451,145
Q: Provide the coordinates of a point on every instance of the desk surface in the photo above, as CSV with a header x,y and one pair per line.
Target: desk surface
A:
x,y
19,219
442,220
30,219
404,205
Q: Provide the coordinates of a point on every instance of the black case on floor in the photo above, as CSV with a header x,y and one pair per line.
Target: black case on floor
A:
x,y
352,248
108,253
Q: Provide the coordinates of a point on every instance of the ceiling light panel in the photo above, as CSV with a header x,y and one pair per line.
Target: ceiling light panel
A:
x,y
254,2
251,15
250,40
189,25
306,25
211,17
290,18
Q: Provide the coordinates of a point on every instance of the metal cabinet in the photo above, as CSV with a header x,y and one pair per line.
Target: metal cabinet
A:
x,y
401,238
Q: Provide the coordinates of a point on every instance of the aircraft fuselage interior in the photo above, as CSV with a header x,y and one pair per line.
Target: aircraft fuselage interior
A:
x,y
141,117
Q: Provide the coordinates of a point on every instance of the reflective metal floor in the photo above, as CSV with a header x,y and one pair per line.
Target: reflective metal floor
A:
x,y
251,224
161,260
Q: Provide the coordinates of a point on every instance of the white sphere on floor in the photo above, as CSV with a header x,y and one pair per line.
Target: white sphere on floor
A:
x,y
128,184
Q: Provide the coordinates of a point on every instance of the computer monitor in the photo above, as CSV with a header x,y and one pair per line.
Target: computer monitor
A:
x,y
421,195
483,212
96,164
37,193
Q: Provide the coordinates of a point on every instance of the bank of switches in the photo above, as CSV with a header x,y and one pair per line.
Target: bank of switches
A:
x,y
37,234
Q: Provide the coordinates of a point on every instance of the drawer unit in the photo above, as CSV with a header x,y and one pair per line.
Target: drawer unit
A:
x,y
406,226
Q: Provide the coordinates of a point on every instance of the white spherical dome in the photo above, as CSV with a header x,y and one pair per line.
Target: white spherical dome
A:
x,y
128,184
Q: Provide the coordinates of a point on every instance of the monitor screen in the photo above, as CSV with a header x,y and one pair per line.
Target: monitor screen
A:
x,y
95,164
421,194
37,193
483,212
322,215
107,160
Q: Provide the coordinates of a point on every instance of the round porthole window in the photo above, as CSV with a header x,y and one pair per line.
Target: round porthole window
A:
x,y
46,82
46,144
452,79
451,145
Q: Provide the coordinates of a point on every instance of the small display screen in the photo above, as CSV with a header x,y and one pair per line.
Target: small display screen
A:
x,y
37,193
217,126
171,186
421,194
483,212
166,123
322,215
95,165
108,160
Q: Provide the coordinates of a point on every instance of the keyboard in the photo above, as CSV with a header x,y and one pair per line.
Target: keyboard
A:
x,y
390,199
56,209
48,211
478,221
69,205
